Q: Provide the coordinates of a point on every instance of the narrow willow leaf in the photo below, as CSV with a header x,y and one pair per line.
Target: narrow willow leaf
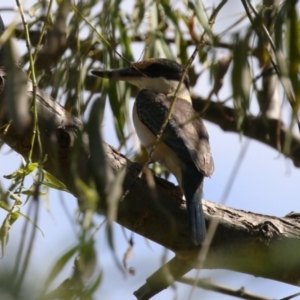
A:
x,y
5,206
115,194
110,240
159,49
4,233
53,182
90,195
4,230
165,48
87,260
138,13
125,41
200,13
153,17
241,79
15,197
18,213
294,52
30,167
278,26
98,165
33,9
54,186
119,118
24,171
96,284
59,265
170,13
31,192
220,70
182,46
150,50
15,211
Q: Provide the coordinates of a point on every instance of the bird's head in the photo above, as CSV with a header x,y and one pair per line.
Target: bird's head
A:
x,y
158,75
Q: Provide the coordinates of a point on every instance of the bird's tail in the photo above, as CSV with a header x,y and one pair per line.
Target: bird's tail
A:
x,y
193,195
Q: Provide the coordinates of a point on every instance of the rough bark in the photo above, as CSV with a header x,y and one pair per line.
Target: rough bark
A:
x,y
271,132
246,242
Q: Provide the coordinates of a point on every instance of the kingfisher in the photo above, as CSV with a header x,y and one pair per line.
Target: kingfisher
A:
x,y
183,148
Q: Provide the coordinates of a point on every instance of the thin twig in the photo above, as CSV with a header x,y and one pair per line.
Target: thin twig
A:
x,y
210,286
98,228
43,31
265,30
36,132
290,297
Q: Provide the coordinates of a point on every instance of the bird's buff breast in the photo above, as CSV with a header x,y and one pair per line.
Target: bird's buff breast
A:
x,y
162,153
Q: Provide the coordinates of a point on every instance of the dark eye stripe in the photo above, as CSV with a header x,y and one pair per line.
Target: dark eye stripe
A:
x,y
167,69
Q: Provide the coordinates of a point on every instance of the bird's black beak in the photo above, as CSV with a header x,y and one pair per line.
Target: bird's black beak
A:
x,y
119,74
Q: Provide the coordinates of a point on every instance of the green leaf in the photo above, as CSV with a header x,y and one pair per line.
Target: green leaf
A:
x,y
96,284
241,79
200,13
87,260
294,52
115,194
15,211
15,197
163,46
4,233
170,13
125,40
52,182
138,13
89,192
33,9
116,106
31,192
220,69
59,265
24,171
5,227
5,206
18,213
109,234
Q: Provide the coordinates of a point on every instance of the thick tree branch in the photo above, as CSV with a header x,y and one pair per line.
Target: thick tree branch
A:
x,y
266,246
268,131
